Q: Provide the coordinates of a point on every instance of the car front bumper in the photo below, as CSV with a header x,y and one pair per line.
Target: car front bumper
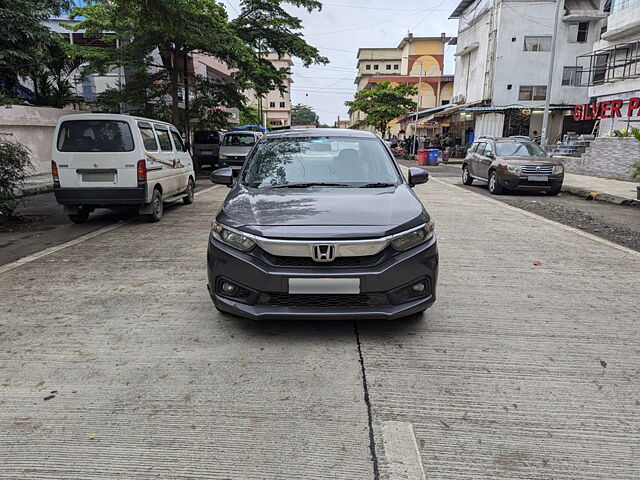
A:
x,y
382,295
520,182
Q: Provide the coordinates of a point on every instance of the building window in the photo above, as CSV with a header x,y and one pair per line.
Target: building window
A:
x,y
578,32
396,67
513,39
367,67
537,44
571,76
532,92
272,104
509,87
283,105
388,67
445,102
375,67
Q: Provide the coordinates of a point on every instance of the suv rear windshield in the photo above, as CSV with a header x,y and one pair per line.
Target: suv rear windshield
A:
x,y
206,136
518,149
95,136
325,160
239,140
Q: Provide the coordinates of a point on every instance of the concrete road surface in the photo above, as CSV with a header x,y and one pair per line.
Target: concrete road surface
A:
x,y
114,363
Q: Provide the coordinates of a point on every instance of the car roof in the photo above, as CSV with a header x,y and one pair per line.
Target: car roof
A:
x,y
112,116
321,132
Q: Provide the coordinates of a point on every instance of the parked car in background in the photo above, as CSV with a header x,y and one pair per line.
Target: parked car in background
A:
x,y
206,147
513,163
235,148
322,224
109,160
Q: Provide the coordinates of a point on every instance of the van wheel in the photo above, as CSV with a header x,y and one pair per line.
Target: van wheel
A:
x,y
188,198
467,179
157,206
81,217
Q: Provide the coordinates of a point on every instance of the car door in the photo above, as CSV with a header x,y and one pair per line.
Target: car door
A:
x,y
475,163
167,158
469,156
485,160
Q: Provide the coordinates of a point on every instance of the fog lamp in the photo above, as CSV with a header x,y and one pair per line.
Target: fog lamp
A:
x,y
229,288
418,287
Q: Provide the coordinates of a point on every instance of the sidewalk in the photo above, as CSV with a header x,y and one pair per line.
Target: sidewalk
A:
x,y
41,183
603,189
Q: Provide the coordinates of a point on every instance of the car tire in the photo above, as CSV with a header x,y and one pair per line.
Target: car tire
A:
x,y
81,217
467,179
188,198
554,191
494,184
157,206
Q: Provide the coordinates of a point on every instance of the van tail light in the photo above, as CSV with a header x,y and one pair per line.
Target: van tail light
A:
x,y
54,172
142,170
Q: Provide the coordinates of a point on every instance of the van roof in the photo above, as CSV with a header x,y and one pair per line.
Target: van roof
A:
x,y
111,116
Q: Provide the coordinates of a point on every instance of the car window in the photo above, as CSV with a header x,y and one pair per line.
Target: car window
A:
x,y
519,149
488,148
95,136
345,161
480,150
148,137
239,140
163,138
473,148
177,140
206,136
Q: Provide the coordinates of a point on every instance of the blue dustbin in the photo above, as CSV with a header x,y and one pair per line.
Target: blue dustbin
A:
x,y
432,156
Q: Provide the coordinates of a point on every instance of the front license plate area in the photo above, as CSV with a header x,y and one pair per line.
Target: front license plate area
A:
x,y
324,286
538,178
207,152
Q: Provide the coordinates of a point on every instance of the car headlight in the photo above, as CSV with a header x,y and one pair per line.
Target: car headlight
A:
x,y
232,238
223,156
410,240
558,169
514,168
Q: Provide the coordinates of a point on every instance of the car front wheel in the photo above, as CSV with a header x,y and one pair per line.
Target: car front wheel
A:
x,y
467,179
494,184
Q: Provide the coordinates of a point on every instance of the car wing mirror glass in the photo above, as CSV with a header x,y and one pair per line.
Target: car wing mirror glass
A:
x,y
417,176
223,176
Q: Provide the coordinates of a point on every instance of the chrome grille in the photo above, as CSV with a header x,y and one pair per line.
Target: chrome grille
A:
x,y
537,169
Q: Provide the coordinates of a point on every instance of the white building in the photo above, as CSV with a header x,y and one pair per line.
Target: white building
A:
x,y
276,105
502,63
612,69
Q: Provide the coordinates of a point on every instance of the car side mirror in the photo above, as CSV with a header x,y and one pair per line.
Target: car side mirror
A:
x,y
491,155
223,176
417,176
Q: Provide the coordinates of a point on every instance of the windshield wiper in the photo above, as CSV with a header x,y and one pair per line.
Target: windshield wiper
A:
x,y
377,185
306,185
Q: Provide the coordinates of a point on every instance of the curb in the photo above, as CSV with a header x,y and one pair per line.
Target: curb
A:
x,y
602,197
35,190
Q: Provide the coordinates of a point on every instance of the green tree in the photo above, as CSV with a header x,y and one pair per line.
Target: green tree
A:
x,y
303,115
22,39
179,27
383,103
14,168
249,115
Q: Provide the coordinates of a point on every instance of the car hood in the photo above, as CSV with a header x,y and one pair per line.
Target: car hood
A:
x,y
530,160
322,211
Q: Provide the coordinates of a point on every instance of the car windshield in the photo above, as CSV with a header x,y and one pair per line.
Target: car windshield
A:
x,y
518,149
239,140
335,161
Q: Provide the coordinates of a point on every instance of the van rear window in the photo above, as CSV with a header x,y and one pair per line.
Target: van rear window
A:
x,y
95,136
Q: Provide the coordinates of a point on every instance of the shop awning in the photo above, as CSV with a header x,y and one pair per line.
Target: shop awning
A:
x,y
515,107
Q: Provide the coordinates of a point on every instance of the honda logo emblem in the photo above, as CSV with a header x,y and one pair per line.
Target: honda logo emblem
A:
x,y
324,253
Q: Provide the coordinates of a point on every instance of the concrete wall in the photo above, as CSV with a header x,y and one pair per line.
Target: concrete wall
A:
x,y
606,158
34,128
471,66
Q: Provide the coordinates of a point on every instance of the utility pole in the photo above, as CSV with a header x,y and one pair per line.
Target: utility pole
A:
x,y
187,115
547,100
415,128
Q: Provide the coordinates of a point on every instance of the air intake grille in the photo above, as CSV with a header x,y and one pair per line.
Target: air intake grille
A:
x,y
323,301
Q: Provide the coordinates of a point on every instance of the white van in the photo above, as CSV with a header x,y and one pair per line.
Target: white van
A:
x,y
105,160
235,148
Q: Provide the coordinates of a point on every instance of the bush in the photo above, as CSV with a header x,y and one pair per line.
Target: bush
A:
x,y
15,165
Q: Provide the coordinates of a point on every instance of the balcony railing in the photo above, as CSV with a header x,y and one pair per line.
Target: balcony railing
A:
x,y
612,64
618,5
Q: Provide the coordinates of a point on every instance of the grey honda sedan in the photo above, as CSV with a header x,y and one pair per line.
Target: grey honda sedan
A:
x,y
322,224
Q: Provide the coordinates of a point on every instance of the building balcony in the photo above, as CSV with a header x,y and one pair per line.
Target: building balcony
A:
x,y
612,64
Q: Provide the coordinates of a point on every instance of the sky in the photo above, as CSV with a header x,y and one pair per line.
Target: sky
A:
x,y
342,27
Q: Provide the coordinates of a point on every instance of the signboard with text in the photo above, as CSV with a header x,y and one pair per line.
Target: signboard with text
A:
x,y
606,109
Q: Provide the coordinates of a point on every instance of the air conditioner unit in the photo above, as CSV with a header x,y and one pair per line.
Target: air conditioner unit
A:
x,y
458,99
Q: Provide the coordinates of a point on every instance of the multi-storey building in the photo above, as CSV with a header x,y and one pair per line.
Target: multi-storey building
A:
x,y
502,65
276,105
416,60
611,70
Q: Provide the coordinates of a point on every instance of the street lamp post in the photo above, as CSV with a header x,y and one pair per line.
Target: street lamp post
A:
x,y
547,100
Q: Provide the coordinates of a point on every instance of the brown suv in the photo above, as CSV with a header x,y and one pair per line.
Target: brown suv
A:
x,y
514,163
